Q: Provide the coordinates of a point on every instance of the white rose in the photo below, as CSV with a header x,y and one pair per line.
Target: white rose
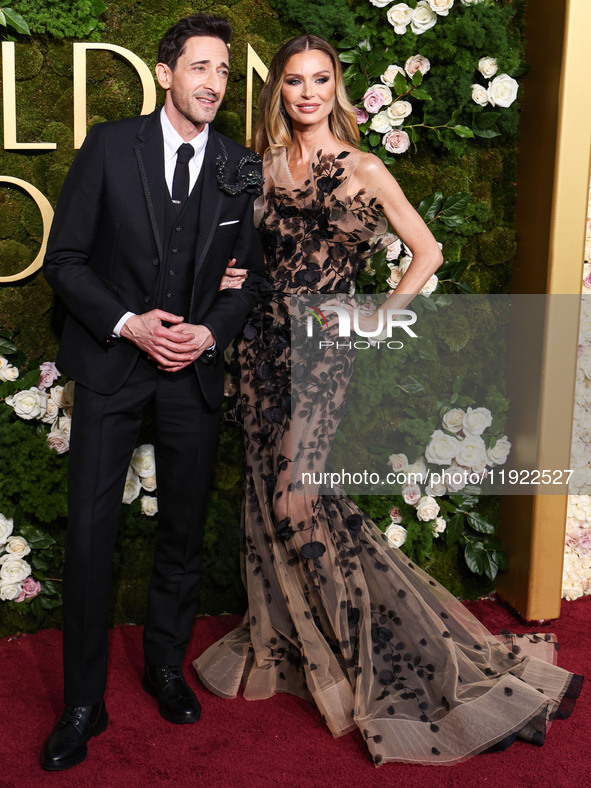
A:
x,y
58,441
437,489
51,411
56,393
471,451
380,3
417,63
585,328
417,472
396,535
10,591
390,73
132,487
498,453
455,478
502,91
398,462
411,494
65,424
423,18
28,404
442,448
149,505
394,249
148,483
430,286
453,420
68,397
142,460
427,508
440,525
7,371
405,263
399,16
17,545
441,7
488,66
395,276
479,95
398,111
381,122
6,527
471,2
477,420
13,569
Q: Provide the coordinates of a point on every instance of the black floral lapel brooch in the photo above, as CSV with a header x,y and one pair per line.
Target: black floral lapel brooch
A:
x,y
247,178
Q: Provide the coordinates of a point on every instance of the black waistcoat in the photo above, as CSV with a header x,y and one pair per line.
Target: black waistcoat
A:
x,y
180,238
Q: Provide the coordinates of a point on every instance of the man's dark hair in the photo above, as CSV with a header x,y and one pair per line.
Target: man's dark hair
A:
x,y
172,44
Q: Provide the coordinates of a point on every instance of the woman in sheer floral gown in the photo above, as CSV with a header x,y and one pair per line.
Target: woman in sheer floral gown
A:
x,y
335,614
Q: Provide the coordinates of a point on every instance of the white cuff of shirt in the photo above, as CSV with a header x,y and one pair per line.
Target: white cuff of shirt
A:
x,y
121,323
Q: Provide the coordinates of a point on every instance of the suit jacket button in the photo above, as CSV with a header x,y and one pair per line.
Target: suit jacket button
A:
x,y
147,300
174,250
169,295
155,261
178,228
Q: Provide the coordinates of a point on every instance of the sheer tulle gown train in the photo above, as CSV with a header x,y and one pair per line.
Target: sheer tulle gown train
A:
x,y
335,614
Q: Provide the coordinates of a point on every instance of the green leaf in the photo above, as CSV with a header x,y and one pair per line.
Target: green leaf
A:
x,y
2,18
98,7
374,139
410,385
454,528
455,205
480,524
39,563
16,21
475,557
347,43
352,56
463,287
417,78
37,609
6,347
421,94
463,131
486,120
429,207
400,84
487,133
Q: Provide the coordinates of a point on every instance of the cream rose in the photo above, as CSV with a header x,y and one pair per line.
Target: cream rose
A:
x,y
479,95
395,276
442,448
394,249
411,494
56,394
502,91
471,2
423,18
381,122
65,424
58,441
6,528
390,73
477,420
142,460
405,263
51,412
417,472
148,483
396,141
453,420
398,462
10,591
427,509
471,451
488,66
17,545
13,569
398,111
380,3
430,286
436,489
132,487
149,505
399,16
28,404
396,535
441,7
498,453
440,525
7,371
455,478
417,63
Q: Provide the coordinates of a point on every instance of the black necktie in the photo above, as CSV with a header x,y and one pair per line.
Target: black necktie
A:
x,y
180,181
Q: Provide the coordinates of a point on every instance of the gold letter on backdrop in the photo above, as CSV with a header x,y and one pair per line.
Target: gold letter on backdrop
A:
x,y
142,69
9,101
253,63
47,216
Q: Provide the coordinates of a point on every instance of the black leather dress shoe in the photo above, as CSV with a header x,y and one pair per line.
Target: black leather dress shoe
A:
x,y
66,745
177,702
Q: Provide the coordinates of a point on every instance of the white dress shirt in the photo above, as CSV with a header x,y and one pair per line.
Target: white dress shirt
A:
x,y
172,142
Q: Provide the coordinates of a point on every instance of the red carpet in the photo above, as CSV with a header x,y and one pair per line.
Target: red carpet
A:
x,y
277,742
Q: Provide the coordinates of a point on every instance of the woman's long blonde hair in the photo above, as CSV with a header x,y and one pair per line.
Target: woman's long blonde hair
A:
x,y
273,128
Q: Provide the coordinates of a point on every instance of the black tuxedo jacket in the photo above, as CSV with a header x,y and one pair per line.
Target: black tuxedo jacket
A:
x,y
105,249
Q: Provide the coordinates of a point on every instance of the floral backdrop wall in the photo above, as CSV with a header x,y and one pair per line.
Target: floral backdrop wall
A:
x,y
436,85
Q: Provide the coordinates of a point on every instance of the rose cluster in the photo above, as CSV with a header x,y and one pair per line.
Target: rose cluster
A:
x,y
500,92
576,573
141,475
398,264
421,18
49,404
16,581
8,372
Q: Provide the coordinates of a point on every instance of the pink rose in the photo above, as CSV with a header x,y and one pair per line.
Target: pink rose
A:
x,y
31,587
395,515
411,493
374,100
49,373
396,141
580,350
587,280
362,116
417,63
21,597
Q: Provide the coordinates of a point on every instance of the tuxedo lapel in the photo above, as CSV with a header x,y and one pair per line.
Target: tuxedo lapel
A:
x,y
211,200
149,152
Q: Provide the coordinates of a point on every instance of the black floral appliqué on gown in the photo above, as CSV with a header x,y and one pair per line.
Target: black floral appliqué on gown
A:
x,y
335,614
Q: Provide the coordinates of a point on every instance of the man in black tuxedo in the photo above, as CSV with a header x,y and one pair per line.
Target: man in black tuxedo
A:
x,y
152,210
